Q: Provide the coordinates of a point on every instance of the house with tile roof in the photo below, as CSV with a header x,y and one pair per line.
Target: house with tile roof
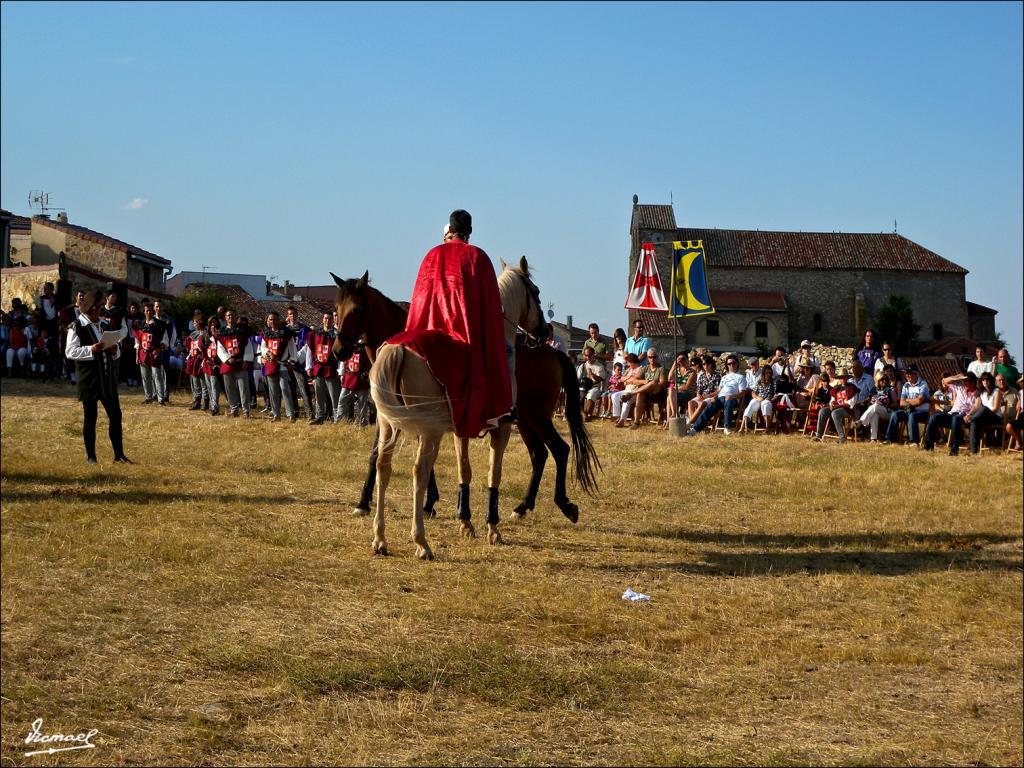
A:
x,y
77,258
778,288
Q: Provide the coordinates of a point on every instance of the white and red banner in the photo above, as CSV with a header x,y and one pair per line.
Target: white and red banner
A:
x,y
646,291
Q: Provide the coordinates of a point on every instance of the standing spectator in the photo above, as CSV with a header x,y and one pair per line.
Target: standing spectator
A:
x,y
211,365
252,350
277,349
985,412
867,353
913,408
889,358
1005,368
979,365
236,355
355,402
322,370
601,352
300,386
150,343
195,362
780,364
127,361
619,347
964,390
638,344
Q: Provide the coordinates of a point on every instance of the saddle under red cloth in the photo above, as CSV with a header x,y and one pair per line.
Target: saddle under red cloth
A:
x,y
455,324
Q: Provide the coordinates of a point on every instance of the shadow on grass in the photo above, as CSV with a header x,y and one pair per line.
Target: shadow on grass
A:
x,y
35,388
878,563
907,539
139,496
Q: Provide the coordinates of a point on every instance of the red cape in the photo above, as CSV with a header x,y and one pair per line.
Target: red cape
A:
x,y
456,325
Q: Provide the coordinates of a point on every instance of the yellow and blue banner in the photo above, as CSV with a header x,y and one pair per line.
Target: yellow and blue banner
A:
x,y
690,294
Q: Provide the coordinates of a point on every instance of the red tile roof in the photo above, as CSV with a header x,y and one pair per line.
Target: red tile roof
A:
x,y
98,237
956,345
816,250
658,323
237,298
17,223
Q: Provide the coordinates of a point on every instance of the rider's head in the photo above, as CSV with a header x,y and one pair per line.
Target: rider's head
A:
x,y
460,224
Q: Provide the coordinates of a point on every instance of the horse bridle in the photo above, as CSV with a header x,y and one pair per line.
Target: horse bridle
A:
x,y
531,340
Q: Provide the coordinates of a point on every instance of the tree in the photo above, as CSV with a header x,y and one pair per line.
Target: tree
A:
x,y
207,298
1000,343
895,324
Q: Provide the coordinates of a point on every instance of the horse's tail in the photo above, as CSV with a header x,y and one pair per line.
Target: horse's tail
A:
x,y
384,380
585,459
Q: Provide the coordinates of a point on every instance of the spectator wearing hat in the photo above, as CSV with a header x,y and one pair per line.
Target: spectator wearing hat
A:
x,y
913,408
96,376
964,390
804,353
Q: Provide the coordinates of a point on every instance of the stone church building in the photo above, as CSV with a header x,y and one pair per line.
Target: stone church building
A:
x,y
778,288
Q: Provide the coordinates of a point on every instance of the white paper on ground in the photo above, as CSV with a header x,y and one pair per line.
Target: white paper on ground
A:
x,y
635,597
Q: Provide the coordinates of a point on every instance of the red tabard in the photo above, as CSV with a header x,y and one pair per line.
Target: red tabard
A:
x,y
147,356
233,344
455,324
211,362
274,348
194,361
322,346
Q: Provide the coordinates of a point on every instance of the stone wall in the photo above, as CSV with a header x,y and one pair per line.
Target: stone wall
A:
x,y
21,249
99,258
25,284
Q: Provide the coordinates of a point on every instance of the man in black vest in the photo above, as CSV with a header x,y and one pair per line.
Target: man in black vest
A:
x,y
95,371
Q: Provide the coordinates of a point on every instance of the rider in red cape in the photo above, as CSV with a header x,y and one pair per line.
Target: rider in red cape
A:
x,y
456,325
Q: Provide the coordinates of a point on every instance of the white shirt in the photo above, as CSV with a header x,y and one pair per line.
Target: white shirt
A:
x,y
732,384
73,349
978,367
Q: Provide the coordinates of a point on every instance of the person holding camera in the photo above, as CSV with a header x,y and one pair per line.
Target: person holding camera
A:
x,y
592,375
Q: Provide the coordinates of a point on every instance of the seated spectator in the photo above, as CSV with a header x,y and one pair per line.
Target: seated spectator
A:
x,y
614,385
842,399
963,390
819,395
652,390
783,401
1008,392
705,389
17,344
913,408
682,383
592,375
623,401
761,395
727,398
804,384
986,410
864,384
881,402
780,364
41,354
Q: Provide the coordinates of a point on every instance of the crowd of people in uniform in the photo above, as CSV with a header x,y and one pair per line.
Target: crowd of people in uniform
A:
x,y
289,364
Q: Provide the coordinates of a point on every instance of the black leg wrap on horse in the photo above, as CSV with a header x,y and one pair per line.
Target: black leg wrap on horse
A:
x,y
463,502
492,506
432,496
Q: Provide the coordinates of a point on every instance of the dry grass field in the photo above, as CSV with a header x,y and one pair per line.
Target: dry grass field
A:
x,y
217,603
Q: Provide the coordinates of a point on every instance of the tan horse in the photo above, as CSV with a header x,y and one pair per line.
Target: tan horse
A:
x,y
409,398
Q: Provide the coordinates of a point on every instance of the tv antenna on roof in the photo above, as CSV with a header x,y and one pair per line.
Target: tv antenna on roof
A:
x,y
40,201
204,272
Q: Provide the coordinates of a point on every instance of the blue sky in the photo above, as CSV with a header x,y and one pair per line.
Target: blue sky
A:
x,y
294,139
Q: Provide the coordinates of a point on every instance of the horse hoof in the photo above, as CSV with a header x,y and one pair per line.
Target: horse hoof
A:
x,y
424,553
430,514
571,511
380,548
517,515
494,537
521,509
360,511
467,530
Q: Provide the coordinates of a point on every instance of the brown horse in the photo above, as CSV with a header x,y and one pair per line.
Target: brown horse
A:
x,y
368,316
